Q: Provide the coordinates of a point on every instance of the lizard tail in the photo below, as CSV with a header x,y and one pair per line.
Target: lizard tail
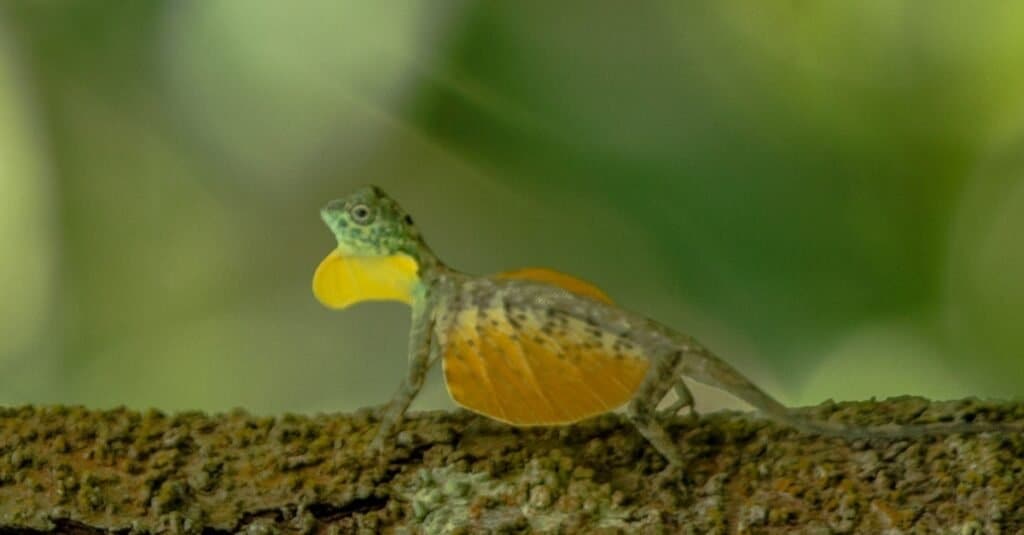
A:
x,y
852,431
700,364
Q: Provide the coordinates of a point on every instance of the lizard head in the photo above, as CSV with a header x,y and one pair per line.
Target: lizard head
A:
x,y
369,223
380,255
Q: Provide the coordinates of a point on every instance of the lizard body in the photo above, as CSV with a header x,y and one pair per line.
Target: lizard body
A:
x,y
536,347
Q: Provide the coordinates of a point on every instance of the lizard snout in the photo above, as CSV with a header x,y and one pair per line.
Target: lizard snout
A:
x,y
337,205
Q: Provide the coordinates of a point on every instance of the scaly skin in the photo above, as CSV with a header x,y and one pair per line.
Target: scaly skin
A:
x,y
368,223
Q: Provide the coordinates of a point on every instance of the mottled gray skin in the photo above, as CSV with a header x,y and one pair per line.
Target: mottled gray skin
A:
x,y
368,222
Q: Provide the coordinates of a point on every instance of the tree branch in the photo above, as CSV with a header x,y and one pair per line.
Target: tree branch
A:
x,y
72,469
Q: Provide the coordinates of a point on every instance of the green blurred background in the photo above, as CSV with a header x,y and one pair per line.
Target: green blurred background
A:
x,y
831,195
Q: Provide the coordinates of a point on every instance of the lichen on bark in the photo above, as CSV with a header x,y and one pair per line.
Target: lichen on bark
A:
x,y
69,468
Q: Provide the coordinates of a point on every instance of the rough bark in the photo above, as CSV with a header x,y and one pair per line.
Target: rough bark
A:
x,y
73,469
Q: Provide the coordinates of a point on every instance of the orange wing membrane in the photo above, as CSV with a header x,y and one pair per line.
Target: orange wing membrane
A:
x,y
574,285
527,367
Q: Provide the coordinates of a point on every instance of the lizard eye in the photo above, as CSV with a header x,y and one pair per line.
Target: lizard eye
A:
x,y
361,214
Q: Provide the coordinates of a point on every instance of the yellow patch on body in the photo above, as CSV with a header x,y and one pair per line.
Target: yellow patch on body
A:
x,y
534,369
341,281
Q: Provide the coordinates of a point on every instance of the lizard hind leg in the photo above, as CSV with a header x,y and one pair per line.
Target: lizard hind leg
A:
x,y
684,400
642,409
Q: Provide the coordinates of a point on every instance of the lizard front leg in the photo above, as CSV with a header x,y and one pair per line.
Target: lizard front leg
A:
x,y
420,348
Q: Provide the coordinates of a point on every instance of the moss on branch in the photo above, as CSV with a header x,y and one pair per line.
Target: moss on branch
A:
x,y
72,469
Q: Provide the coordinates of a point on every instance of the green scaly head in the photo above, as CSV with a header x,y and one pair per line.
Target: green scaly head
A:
x,y
380,253
369,223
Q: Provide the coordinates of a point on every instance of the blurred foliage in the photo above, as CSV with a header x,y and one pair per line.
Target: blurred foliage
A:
x,y
827,194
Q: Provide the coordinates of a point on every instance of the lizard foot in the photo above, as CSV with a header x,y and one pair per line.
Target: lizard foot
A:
x,y
376,446
388,425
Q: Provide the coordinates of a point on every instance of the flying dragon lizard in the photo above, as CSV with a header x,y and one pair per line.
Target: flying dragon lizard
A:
x,y
536,347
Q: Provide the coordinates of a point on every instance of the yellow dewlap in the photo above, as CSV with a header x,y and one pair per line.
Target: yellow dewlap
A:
x,y
341,281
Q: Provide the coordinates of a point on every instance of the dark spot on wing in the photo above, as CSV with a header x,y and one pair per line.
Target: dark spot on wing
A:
x,y
621,343
513,318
